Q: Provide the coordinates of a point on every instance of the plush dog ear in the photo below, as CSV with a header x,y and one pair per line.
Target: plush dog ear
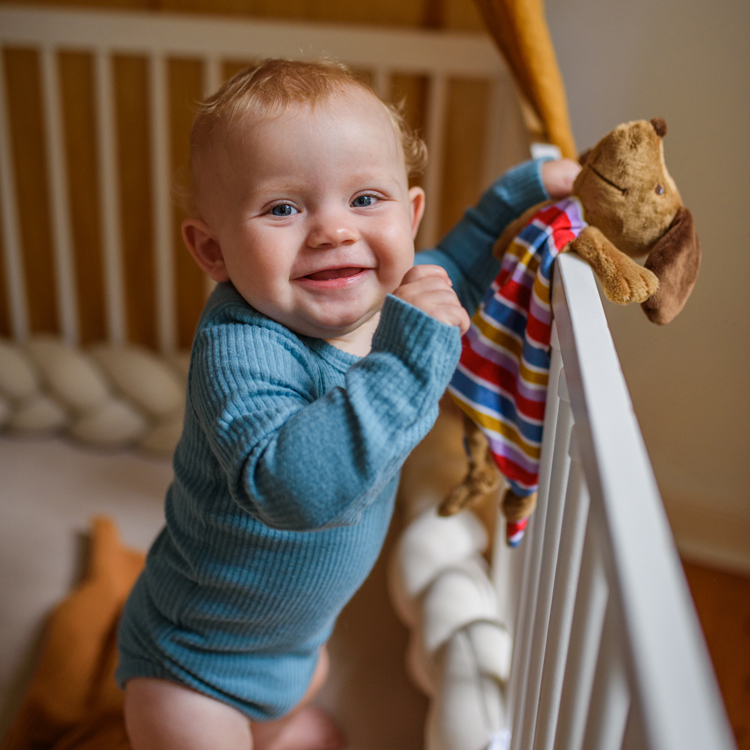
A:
x,y
675,259
583,156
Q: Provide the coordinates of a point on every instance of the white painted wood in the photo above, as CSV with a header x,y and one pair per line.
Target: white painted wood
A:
x,y
109,191
212,77
668,662
523,621
382,83
572,535
586,628
414,52
212,81
160,187
610,696
549,550
634,738
12,259
57,184
433,183
506,138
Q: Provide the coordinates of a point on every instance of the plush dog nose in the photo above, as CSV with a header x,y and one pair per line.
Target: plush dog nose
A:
x,y
660,126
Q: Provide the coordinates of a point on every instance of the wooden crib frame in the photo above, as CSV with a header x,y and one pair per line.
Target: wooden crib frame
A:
x,y
607,650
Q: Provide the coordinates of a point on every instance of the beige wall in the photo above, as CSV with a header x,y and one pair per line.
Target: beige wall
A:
x,y
689,62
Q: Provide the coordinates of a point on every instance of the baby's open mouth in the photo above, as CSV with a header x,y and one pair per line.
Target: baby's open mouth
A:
x,y
334,273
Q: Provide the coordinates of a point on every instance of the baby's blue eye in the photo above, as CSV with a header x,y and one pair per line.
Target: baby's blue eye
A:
x,y
361,201
283,209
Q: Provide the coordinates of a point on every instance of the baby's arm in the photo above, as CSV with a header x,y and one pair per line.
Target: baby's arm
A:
x,y
466,251
298,459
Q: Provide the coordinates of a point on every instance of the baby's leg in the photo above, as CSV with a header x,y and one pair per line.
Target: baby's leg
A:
x,y
162,715
306,727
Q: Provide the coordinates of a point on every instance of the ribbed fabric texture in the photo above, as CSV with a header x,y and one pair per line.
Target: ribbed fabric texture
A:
x,y
285,478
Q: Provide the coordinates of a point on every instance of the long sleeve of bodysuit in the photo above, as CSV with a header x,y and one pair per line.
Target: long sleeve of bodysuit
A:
x,y
300,459
466,251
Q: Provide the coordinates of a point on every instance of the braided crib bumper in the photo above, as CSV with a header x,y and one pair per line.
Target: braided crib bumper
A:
x,y
107,395
459,650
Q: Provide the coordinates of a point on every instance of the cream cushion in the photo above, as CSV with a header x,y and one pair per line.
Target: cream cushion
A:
x,y
38,413
114,423
18,376
4,411
69,374
163,438
428,545
142,377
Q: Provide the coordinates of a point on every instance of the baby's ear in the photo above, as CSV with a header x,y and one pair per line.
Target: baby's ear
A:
x,y
416,198
675,259
204,247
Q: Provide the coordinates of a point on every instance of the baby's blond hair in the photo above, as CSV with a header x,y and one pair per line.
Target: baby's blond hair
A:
x,y
273,86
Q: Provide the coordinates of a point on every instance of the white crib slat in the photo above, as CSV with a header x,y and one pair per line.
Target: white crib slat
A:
x,y
610,696
109,197
212,80
382,83
211,75
506,141
14,272
57,183
548,553
563,601
635,737
163,251
586,629
530,576
436,109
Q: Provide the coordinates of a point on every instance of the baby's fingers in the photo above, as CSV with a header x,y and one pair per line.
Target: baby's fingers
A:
x,y
425,271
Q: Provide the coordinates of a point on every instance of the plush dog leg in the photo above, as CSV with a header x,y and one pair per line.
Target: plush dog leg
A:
x,y
623,279
481,478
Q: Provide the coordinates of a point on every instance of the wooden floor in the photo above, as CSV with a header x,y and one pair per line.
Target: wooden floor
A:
x,y
723,603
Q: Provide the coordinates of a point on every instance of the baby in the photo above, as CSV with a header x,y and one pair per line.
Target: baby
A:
x,y
317,366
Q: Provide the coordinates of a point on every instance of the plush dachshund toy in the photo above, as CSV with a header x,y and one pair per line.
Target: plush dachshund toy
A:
x,y
624,205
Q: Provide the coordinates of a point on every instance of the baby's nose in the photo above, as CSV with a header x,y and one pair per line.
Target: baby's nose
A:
x,y
332,229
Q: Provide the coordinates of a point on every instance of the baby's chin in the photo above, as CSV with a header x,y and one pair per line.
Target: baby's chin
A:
x,y
354,337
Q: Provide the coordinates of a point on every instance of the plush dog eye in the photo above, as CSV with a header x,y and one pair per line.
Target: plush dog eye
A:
x,y
659,190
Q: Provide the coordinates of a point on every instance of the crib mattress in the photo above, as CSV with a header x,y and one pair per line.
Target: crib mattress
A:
x,y
49,490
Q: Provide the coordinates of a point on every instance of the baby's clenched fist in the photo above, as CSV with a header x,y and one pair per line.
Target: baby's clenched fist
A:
x,y
430,289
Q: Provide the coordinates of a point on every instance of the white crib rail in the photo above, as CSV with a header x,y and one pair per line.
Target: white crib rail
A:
x,y
438,56
608,650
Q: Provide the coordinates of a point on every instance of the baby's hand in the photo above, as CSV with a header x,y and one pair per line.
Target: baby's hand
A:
x,y
430,289
558,177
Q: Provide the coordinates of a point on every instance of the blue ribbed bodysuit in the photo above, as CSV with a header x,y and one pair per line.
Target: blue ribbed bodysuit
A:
x,y
285,478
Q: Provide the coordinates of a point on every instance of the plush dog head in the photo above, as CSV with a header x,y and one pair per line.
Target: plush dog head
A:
x,y
629,195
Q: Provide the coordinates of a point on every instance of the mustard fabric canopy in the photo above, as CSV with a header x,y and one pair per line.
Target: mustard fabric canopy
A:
x,y
520,30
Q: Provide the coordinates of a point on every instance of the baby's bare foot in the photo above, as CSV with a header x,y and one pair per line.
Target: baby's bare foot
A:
x,y
308,728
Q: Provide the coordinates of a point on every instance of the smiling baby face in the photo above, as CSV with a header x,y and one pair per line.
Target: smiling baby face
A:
x,y
309,214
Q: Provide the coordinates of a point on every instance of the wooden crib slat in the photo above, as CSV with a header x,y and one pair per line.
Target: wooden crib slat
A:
x,y
586,629
610,695
110,197
548,553
12,256
436,106
59,197
160,171
561,616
